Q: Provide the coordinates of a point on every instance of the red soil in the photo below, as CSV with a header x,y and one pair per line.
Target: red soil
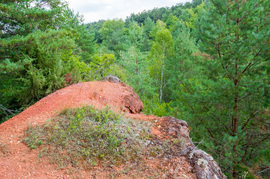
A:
x,y
18,161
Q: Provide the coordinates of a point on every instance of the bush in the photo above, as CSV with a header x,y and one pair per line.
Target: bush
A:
x,y
87,137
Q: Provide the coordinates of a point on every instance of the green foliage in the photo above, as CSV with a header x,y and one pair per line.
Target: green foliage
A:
x,y
113,35
87,137
95,27
148,25
104,65
41,68
86,44
134,62
183,67
154,106
206,62
147,28
38,45
160,25
171,21
228,103
21,18
193,15
162,13
111,26
135,33
161,52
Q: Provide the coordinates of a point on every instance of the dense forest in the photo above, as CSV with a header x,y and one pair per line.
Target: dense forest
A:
x,y
205,62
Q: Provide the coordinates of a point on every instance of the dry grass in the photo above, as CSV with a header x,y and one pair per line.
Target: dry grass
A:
x,y
4,149
87,138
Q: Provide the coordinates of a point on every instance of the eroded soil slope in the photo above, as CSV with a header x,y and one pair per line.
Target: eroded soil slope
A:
x,y
18,161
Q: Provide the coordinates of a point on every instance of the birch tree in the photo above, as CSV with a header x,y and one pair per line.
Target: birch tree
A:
x,y
162,51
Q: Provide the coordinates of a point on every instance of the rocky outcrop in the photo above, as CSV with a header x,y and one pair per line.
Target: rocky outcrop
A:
x,y
130,101
203,164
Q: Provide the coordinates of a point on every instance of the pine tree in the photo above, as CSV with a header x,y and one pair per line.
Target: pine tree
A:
x,y
147,28
183,65
135,35
113,35
230,104
37,41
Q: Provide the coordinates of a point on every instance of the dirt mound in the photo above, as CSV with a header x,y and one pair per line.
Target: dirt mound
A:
x,y
118,96
183,160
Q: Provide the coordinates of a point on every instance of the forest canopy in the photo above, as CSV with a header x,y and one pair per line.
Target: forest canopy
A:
x,y
206,62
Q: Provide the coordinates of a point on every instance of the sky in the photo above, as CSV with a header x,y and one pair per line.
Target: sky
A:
x,y
94,10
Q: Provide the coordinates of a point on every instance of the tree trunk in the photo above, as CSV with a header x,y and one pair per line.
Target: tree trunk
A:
x,y
236,110
235,118
161,85
137,70
162,75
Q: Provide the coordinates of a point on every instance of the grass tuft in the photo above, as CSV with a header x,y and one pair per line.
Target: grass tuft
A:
x,y
86,137
4,149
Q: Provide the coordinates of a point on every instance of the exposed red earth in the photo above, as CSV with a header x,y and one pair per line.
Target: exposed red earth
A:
x,y
18,161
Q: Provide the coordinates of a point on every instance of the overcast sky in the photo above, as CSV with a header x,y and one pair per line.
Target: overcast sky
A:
x,y
94,10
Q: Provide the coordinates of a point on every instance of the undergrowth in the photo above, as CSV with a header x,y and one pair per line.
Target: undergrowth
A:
x,y
88,137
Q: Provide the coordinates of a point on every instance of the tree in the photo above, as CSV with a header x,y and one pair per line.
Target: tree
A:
x,y
95,27
196,3
100,66
161,52
158,26
230,104
104,65
86,44
148,25
136,66
183,66
113,35
171,21
21,17
41,69
37,41
135,35
147,28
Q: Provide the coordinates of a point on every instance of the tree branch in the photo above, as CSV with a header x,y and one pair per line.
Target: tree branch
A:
x,y
259,141
217,118
212,136
243,127
250,64
7,110
262,171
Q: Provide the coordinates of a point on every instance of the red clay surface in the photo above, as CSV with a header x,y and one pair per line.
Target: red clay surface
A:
x,y
18,161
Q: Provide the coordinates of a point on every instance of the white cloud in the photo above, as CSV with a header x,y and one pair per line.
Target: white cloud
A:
x,y
94,10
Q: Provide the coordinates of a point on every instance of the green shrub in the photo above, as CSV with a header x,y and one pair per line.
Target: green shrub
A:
x,y
87,137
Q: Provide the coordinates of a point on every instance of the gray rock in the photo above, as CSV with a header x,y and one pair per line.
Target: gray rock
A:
x,y
203,164
111,78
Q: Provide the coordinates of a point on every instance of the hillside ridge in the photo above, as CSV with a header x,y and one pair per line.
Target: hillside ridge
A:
x,y
18,161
